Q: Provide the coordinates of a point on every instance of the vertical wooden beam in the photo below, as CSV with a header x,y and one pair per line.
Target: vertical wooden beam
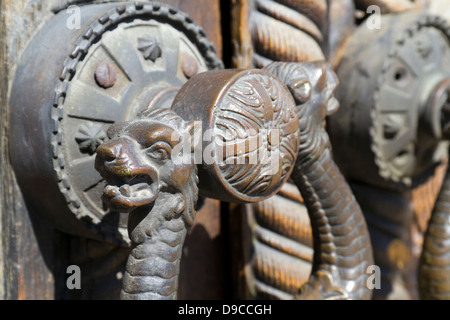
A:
x,y
240,34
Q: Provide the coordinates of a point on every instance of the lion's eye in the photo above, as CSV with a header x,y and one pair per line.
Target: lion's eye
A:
x,y
159,151
301,89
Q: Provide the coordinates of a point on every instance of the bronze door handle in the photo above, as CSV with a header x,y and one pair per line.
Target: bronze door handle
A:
x,y
235,103
248,139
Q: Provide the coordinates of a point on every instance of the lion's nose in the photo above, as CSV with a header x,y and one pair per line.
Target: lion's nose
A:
x,y
108,152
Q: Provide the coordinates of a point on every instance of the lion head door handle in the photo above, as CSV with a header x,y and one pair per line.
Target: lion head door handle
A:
x,y
73,83
248,114
234,133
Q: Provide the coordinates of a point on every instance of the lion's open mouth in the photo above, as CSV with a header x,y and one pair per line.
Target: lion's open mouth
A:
x,y
131,192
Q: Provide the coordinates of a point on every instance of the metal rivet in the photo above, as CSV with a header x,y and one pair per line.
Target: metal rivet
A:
x,y
189,65
105,75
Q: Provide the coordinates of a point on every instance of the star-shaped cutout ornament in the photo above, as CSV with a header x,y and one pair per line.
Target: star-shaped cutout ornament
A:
x,y
150,47
89,137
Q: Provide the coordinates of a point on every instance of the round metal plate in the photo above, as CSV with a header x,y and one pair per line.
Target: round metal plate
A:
x,y
124,58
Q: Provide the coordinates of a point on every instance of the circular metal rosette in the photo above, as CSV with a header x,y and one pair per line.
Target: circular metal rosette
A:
x,y
251,132
388,131
73,82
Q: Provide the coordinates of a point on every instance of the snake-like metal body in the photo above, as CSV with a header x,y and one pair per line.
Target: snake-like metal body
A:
x,y
342,250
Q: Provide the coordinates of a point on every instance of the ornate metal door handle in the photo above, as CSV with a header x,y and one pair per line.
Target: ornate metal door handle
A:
x,y
342,249
124,58
161,195
150,65
392,134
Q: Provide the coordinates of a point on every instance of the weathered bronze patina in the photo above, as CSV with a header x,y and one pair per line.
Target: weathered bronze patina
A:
x,y
342,249
237,162
232,104
123,58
